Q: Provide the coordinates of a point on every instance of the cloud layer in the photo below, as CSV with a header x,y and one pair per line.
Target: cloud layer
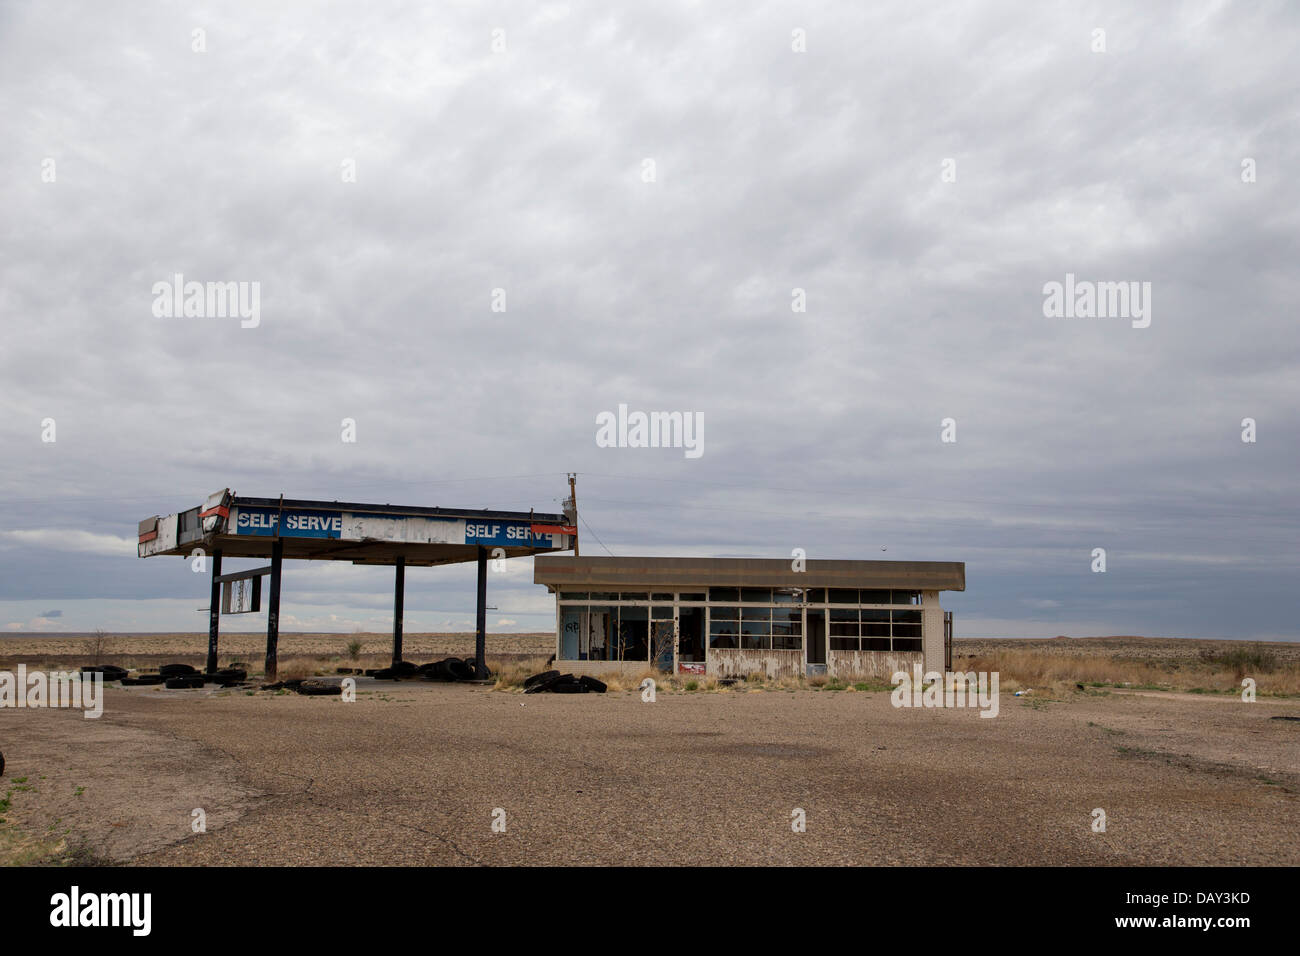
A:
x,y
523,169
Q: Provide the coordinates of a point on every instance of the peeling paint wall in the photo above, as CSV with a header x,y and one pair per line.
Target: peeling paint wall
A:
x,y
932,630
876,665
734,662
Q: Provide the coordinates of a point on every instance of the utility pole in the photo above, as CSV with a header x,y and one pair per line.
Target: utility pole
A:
x,y
573,504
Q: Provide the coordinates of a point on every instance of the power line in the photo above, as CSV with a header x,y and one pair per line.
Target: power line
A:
x,y
594,535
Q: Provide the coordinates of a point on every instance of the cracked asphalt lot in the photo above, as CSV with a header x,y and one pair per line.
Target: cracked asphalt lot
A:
x,y
413,773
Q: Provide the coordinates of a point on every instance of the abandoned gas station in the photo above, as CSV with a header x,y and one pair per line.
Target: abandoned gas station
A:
x,y
229,526
729,617
723,617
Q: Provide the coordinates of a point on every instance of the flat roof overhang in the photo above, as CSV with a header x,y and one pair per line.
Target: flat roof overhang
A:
x,y
613,574
247,527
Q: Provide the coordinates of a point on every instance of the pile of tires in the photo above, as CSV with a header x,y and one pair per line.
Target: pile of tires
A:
x,y
184,682
314,687
142,680
449,669
110,671
553,682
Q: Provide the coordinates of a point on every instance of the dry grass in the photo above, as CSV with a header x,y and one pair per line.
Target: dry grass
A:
x,y
1055,664
1218,669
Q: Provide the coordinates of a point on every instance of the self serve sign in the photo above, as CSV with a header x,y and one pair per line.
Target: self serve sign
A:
x,y
499,533
297,524
330,524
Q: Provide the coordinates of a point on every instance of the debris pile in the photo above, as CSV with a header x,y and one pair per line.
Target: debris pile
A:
x,y
553,682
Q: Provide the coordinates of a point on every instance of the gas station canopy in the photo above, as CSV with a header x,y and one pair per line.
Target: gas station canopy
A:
x,y
241,527
277,528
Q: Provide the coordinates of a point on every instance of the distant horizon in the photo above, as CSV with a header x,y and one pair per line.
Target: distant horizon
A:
x,y
203,635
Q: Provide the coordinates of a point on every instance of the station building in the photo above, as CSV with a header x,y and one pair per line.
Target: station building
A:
x,y
725,617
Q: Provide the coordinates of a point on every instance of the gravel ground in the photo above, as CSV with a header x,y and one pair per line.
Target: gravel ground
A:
x,y
411,773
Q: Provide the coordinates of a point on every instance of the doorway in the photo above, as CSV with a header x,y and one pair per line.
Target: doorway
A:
x,y
690,634
815,635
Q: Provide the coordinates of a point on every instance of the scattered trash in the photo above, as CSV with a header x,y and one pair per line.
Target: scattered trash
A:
x,y
1021,693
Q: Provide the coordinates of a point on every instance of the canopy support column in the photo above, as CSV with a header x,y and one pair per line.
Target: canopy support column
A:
x,y
480,636
399,592
273,613
214,611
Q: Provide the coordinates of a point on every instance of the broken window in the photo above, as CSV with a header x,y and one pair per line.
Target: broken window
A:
x,y
633,635
724,627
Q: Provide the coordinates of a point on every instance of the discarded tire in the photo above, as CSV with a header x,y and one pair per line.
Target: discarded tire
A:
x,y
538,678
593,685
403,669
320,688
542,686
183,683
230,675
384,674
459,670
110,671
2,763
176,670
475,671
146,679
561,684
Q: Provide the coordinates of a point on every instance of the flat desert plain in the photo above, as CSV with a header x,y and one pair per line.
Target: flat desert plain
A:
x,y
418,773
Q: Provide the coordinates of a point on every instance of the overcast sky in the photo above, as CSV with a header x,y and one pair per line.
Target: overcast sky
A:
x,y
920,170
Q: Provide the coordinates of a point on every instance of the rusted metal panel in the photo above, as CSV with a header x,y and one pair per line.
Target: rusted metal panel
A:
x,y
875,665
215,511
737,662
164,538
